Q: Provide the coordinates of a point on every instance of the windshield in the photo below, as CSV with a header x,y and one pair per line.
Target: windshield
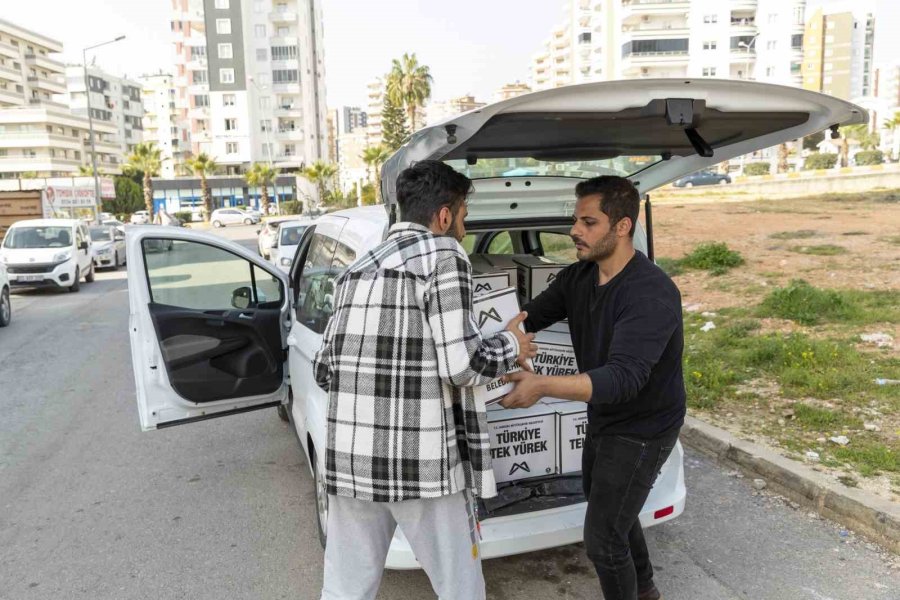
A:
x,y
290,236
100,234
529,167
38,237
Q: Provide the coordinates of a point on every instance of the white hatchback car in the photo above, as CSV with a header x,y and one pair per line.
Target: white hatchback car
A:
x,y
108,243
527,154
5,302
286,241
232,216
140,217
48,253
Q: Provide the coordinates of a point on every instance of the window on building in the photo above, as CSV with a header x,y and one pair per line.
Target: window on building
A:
x,y
285,76
259,6
226,51
773,18
290,149
265,125
228,100
264,79
265,102
223,26
262,54
226,75
830,25
711,45
222,4
284,52
771,44
770,71
199,77
231,148
260,32
709,71
267,150
230,124
829,39
283,32
710,18
201,100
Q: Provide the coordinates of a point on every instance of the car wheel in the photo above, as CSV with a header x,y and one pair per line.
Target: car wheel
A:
x,y
248,222
321,500
89,278
5,308
689,184
217,224
723,181
76,285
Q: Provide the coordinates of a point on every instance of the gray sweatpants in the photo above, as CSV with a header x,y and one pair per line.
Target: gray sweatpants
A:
x,y
438,529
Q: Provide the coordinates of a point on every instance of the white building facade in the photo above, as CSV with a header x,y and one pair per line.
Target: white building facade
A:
x,y
161,123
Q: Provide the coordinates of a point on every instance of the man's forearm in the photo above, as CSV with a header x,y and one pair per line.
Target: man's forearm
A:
x,y
568,387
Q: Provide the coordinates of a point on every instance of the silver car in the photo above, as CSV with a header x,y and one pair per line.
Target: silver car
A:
x,y
232,216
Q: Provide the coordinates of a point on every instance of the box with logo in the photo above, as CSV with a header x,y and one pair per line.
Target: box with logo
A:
x,y
571,429
535,274
484,283
523,442
503,262
493,311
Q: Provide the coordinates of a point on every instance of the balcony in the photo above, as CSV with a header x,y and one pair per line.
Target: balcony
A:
x,y
40,139
10,74
45,62
632,8
46,84
743,26
656,58
288,111
748,5
289,134
283,16
11,97
7,49
286,88
655,30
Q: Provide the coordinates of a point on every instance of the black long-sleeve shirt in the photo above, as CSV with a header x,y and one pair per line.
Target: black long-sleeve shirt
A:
x,y
628,338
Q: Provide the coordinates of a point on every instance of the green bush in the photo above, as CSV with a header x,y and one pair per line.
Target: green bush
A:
x,y
760,168
291,207
820,160
185,216
807,305
869,157
714,257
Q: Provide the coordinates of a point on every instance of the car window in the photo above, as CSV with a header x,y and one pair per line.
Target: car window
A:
x,y
315,294
501,244
198,276
468,243
557,246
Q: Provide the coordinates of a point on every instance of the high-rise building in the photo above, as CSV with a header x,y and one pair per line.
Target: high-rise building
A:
x,y
351,118
838,51
115,101
38,134
250,80
602,40
375,94
161,122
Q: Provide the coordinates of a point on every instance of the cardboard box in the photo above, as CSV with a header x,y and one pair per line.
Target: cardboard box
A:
x,y
523,442
493,311
571,429
484,283
535,273
504,262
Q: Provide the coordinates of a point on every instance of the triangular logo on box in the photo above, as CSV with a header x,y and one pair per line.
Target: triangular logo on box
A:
x,y
551,277
481,287
489,314
522,466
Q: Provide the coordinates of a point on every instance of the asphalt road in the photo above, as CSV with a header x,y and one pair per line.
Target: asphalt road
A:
x,y
92,508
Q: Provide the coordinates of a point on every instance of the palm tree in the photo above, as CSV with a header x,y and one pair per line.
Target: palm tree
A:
x,y
147,159
320,174
783,153
893,125
262,175
409,85
374,157
204,165
867,140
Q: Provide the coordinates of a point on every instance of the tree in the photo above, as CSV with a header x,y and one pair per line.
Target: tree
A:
x,y
262,175
868,140
88,171
393,125
321,175
783,153
128,197
147,159
203,165
409,85
374,157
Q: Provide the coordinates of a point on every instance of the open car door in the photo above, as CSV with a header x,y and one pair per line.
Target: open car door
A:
x,y
208,324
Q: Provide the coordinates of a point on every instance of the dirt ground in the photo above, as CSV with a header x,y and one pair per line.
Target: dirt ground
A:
x,y
865,228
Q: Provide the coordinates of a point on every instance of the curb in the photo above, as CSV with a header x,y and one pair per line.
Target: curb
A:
x,y
865,513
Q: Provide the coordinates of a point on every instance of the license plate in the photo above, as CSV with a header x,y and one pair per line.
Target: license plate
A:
x,y
31,277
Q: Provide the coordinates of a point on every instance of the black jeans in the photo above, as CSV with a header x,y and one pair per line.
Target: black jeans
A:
x,y
618,474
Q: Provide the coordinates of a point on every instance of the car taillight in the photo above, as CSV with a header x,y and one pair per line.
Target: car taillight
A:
x,y
664,512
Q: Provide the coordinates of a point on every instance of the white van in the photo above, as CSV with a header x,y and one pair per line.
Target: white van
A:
x,y
213,342
48,253
285,242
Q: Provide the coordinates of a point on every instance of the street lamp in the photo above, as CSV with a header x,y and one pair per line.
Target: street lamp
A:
x,y
87,93
748,46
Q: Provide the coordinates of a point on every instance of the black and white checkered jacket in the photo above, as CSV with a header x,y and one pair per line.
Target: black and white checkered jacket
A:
x,y
398,360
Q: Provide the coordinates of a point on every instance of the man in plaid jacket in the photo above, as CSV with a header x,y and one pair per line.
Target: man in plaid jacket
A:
x,y
407,441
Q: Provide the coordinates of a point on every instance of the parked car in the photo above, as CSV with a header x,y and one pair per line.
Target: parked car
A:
x,y
232,216
266,234
703,178
141,217
252,212
48,253
108,244
5,303
285,242
635,128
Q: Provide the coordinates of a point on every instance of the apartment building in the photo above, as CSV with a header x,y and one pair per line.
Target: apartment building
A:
x,y
351,118
440,110
511,90
161,122
114,101
375,105
40,136
838,51
250,80
621,39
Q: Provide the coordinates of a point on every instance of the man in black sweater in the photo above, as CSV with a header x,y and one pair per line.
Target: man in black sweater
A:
x,y
624,315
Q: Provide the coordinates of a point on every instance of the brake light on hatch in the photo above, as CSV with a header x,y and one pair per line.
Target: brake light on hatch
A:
x,y
664,512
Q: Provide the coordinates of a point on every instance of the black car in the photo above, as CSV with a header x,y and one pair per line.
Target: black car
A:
x,y
702,178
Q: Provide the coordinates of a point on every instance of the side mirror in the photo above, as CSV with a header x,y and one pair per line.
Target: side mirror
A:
x,y
240,298
119,238
83,246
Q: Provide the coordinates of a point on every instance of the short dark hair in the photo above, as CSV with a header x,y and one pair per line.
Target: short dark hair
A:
x,y
619,198
426,187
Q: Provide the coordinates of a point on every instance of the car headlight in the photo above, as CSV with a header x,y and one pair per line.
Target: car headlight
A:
x,y
104,251
285,261
62,256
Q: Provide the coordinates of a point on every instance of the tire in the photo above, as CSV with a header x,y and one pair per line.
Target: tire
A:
x,y
217,224
248,222
723,181
689,184
283,413
321,500
5,308
115,265
76,285
89,278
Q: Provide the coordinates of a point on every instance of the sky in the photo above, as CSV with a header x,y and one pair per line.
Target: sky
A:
x,y
471,46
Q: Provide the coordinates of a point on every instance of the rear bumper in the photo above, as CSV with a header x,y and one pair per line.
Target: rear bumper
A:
x,y
518,534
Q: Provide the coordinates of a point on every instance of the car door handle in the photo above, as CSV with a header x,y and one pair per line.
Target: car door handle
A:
x,y
248,316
